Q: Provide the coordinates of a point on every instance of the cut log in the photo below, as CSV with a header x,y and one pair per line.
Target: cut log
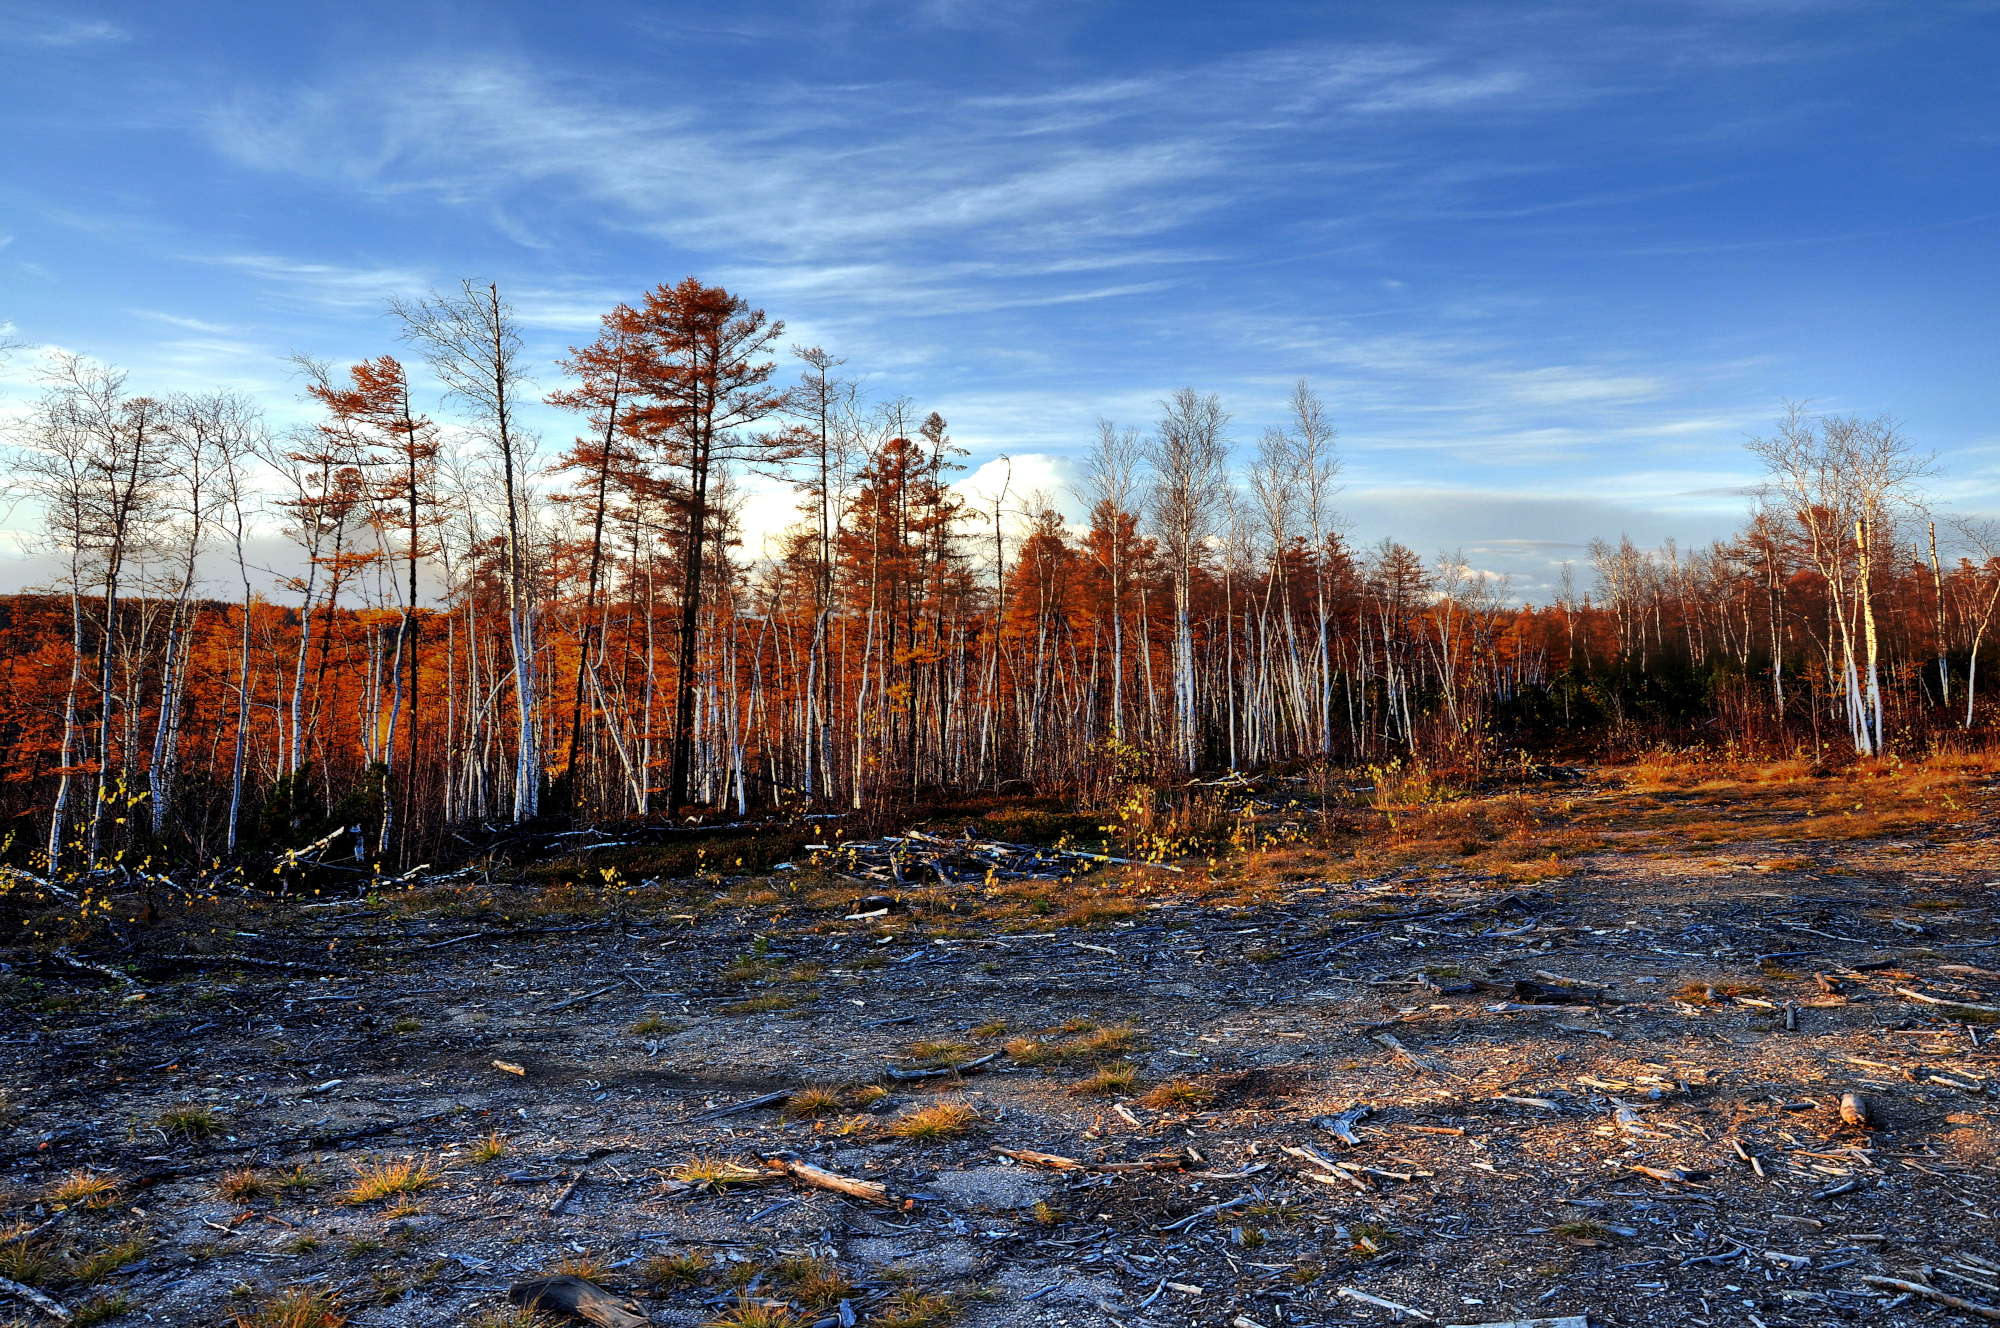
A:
x,y
580,1299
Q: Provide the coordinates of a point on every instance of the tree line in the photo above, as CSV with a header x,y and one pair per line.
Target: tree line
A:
x,y
465,632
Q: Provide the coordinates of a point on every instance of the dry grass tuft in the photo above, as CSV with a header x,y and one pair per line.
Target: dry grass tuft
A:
x,y
1088,1044
747,1313
910,1308
489,1146
300,1307
242,1184
101,1309
815,1283
375,1181
589,1267
298,1179
87,1189
940,1120
748,968
1179,1095
717,1172
106,1260
654,1024
189,1120
813,1101
664,1272
30,1261
769,1003
934,1053
1107,1042
1113,1079
515,1318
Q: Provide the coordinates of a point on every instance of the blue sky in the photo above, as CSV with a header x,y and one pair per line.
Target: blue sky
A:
x,y
1549,264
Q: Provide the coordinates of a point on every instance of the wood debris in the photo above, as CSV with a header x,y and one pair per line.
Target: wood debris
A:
x,y
918,858
578,1298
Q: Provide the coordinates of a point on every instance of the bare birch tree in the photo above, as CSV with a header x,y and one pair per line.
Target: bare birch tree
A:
x,y
1189,456
469,338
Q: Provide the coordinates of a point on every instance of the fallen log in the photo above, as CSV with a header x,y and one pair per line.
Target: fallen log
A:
x,y
1670,1175
1357,1294
64,955
1928,1292
46,1304
943,1072
1184,1223
1973,1006
820,1178
592,995
251,961
40,882
511,932
749,1104
1057,1162
1053,1161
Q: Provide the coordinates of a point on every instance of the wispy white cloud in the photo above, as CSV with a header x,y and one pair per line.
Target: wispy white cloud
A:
x,y
325,286
1567,385
27,25
810,174
183,321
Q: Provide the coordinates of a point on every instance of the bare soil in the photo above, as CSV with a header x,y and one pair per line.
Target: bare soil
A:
x,y
1613,1091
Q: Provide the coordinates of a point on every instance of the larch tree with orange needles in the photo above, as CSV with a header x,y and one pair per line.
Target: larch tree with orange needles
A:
x,y
699,386
402,456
